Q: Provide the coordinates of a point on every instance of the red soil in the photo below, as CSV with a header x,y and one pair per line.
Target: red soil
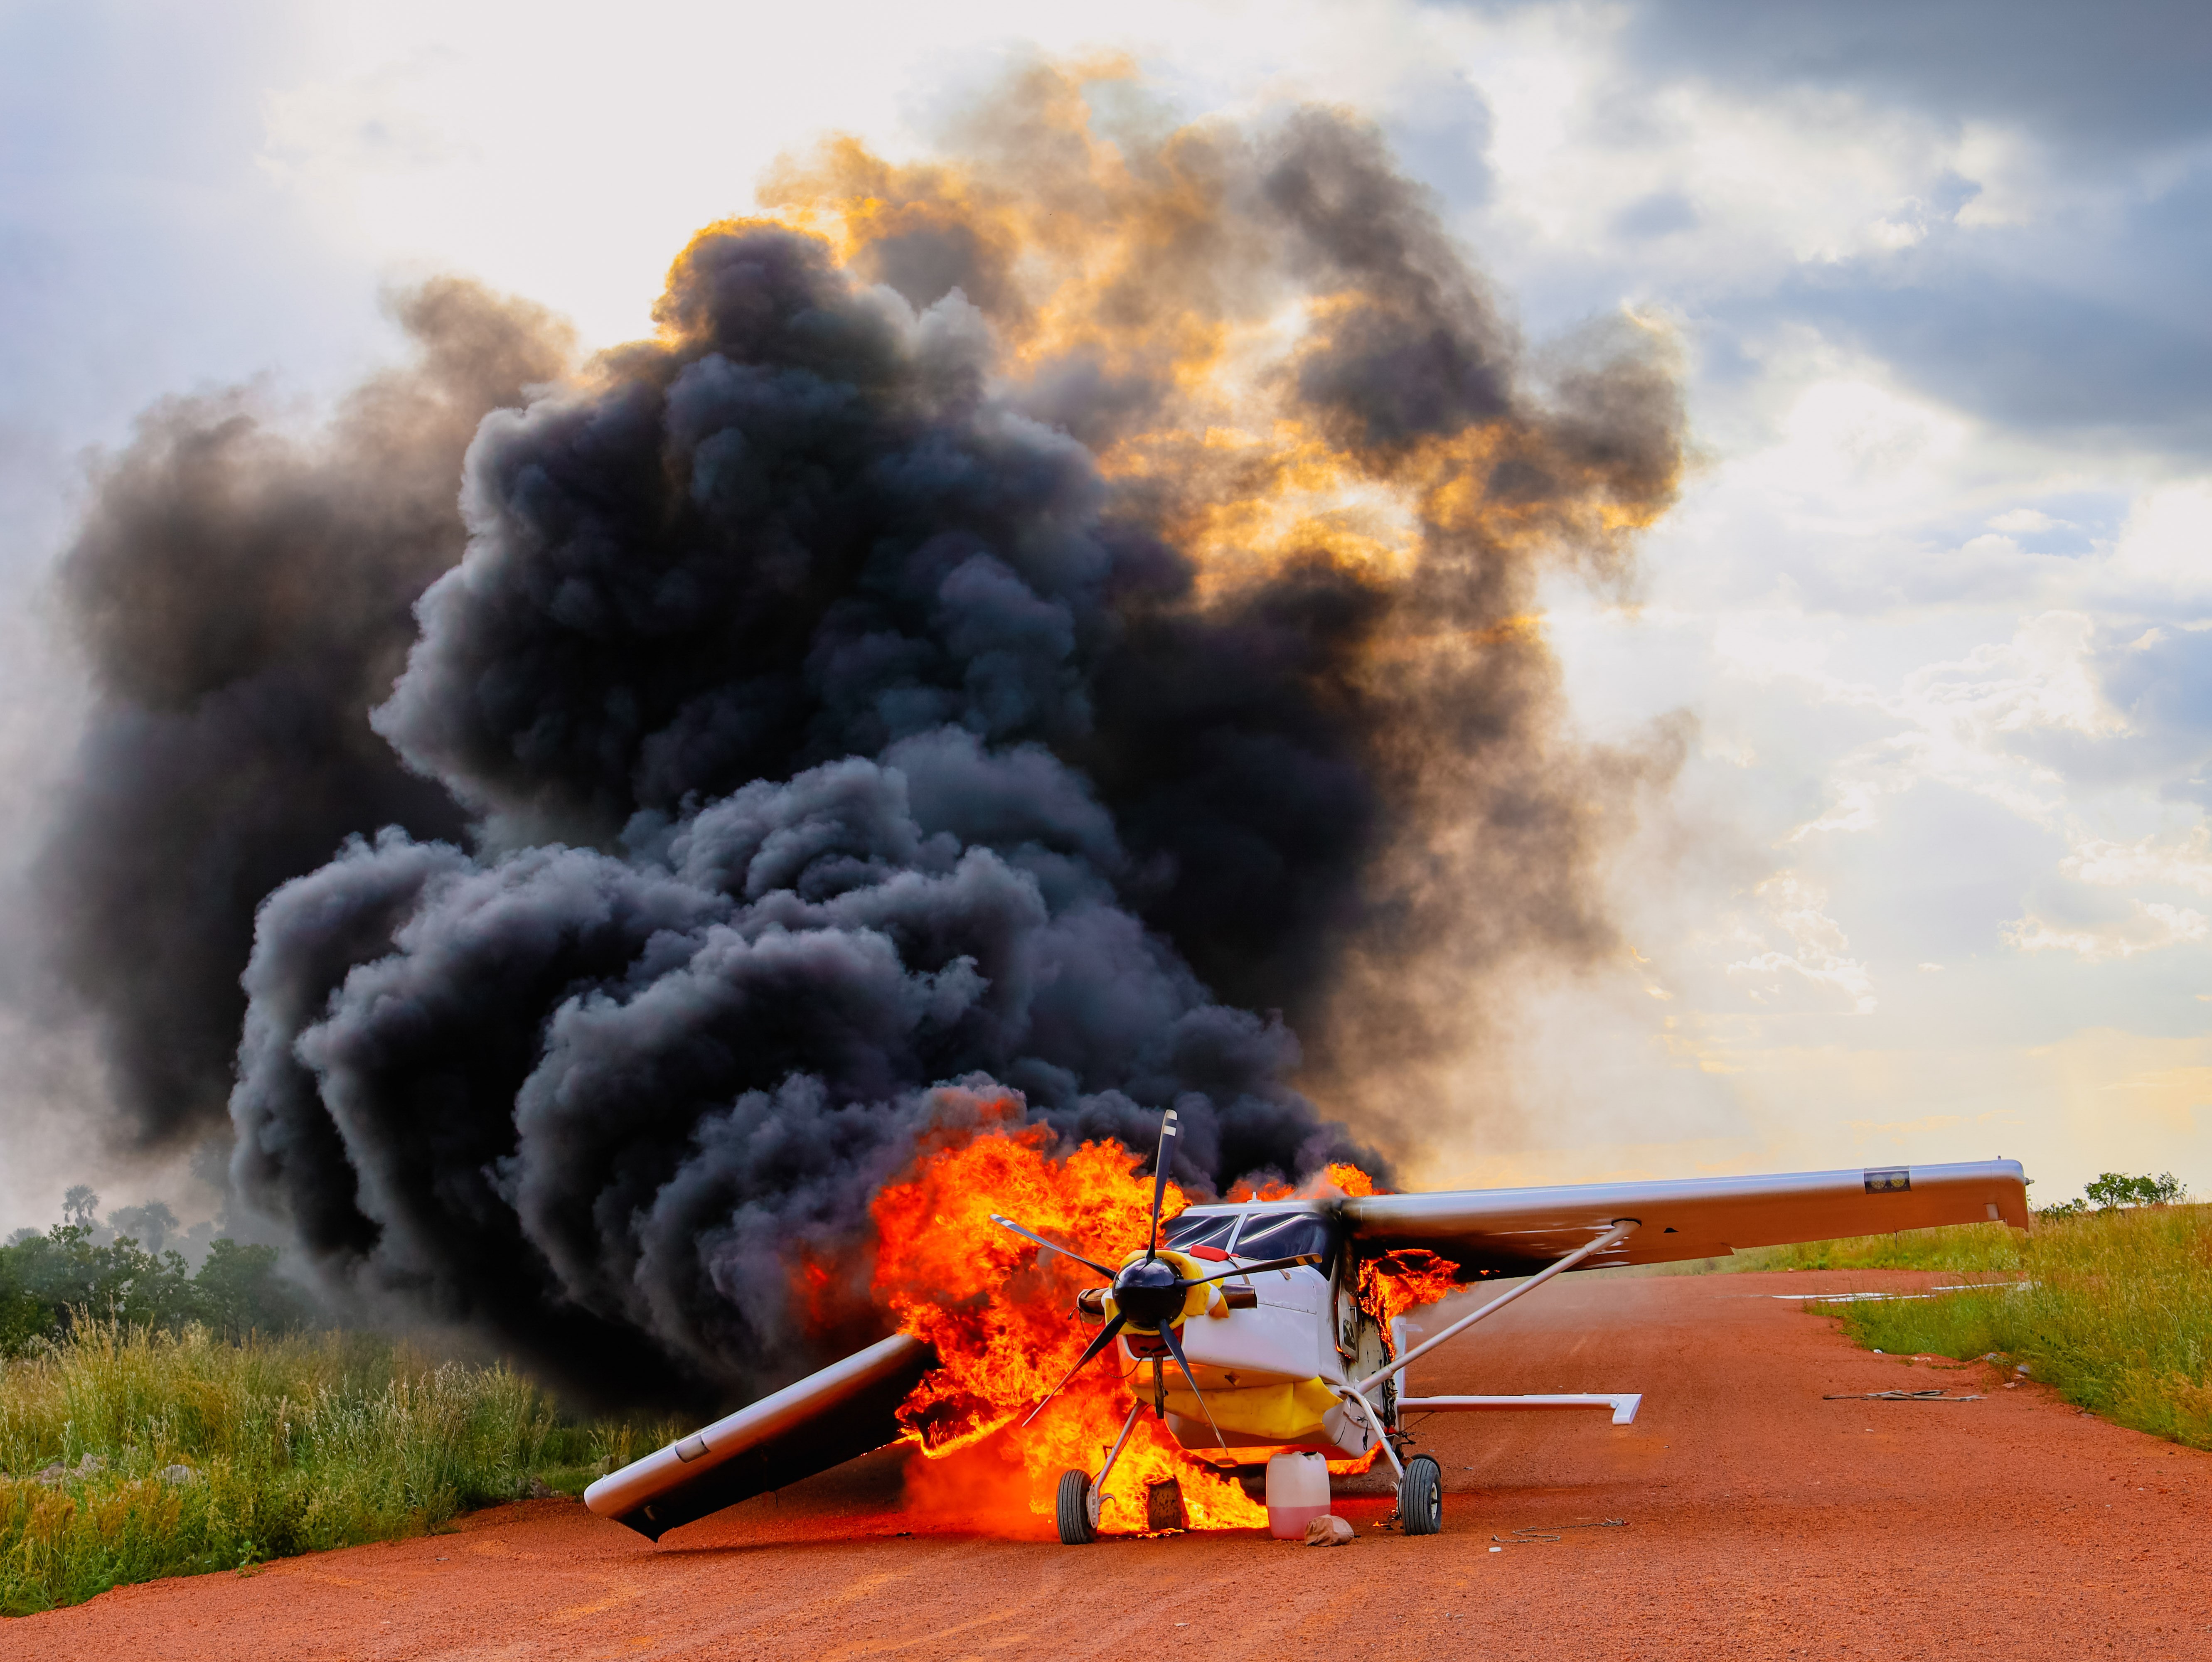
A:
x,y
1761,1521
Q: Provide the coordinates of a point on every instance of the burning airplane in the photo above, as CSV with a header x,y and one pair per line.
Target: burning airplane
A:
x,y
1256,1338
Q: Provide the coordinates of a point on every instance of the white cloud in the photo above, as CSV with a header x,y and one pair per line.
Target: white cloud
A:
x,y
2183,862
2166,543
1585,138
1962,718
1854,449
1814,965
2149,926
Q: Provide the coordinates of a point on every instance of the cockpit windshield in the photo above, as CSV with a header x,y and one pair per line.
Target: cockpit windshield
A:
x,y
1285,1235
1199,1229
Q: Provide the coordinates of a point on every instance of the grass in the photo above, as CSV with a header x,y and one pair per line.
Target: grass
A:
x,y
1966,1247
2115,1316
181,1454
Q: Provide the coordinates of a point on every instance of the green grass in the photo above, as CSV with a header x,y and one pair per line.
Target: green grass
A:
x,y
2116,1317
1967,1246
292,1444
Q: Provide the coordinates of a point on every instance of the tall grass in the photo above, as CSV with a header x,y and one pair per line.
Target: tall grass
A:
x,y
2115,1316
182,1454
1966,1247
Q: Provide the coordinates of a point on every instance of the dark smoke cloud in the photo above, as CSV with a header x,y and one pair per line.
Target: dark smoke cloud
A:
x,y
241,600
787,615
573,1090
859,714
1422,352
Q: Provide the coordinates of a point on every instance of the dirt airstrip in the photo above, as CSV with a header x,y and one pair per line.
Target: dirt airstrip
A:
x,y
1760,1522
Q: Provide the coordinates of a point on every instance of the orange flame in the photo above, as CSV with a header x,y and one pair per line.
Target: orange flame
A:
x,y
1397,1282
1001,1314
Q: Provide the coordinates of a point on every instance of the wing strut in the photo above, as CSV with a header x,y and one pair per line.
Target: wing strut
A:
x,y
1622,1230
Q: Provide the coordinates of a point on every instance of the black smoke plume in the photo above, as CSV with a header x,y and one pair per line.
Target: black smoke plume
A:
x,y
858,712
241,600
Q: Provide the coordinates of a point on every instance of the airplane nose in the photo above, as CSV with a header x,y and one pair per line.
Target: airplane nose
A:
x,y
1148,1293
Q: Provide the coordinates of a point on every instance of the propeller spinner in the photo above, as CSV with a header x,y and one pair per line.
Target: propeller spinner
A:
x,y
1148,1295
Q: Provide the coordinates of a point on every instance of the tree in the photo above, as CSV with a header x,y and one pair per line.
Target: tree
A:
x,y
2114,1189
47,1282
240,1291
153,1225
80,1207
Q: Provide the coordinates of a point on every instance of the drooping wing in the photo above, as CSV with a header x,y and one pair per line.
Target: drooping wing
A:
x,y
1513,1231
827,1418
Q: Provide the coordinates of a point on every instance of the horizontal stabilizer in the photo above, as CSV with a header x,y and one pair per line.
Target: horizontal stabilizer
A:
x,y
845,1410
1513,1231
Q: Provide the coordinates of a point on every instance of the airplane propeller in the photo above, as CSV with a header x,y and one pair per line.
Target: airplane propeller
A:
x,y
1146,1291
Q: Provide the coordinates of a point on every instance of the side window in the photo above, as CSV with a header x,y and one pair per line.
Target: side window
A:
x,y
1187,1231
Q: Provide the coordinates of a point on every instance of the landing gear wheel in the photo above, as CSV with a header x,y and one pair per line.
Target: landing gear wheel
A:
x,y
1420,1497
1076,1510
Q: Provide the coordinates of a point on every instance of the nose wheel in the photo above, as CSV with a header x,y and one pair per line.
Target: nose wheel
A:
x,y
1076,1509
1420,1497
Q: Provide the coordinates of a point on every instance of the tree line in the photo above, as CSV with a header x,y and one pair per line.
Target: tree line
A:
x,y
82,1267
2110,1191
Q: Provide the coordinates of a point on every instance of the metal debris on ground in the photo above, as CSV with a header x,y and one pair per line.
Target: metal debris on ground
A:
x,y
1533,1535
1937,1395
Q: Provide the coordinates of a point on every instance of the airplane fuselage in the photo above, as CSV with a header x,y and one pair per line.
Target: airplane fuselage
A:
x,y
1266,1363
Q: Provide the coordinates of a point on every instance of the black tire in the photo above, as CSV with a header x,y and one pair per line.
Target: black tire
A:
x,y
1072,1510
1420,1497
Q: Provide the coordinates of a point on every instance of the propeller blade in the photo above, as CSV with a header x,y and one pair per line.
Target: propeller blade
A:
x,y
1160,1164
1106,1336
1030,1234
1175,1345
1252,1269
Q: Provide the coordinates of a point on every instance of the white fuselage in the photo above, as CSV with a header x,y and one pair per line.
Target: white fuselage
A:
x,y
1305,1327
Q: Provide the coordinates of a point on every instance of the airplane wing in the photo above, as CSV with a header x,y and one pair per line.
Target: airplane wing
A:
x,y
1514,1231
846,1411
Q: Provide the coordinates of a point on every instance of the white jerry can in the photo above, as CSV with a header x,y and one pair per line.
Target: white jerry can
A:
x,y
1297,1493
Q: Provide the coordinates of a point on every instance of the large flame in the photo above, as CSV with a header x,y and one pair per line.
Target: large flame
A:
x,y
1404,1280
1001,1314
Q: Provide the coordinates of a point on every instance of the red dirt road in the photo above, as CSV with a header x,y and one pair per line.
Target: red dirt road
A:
x,y
1761,1521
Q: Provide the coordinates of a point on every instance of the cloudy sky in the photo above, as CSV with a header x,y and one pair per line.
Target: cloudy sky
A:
x,y
1936,882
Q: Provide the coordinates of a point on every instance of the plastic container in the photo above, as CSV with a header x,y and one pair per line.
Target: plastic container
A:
x,y
1297,1493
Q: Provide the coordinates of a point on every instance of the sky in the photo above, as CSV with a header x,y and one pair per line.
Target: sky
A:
x,y
1935,880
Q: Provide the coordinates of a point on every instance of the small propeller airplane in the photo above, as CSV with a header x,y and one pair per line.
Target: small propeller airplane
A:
x,y
1258,1306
